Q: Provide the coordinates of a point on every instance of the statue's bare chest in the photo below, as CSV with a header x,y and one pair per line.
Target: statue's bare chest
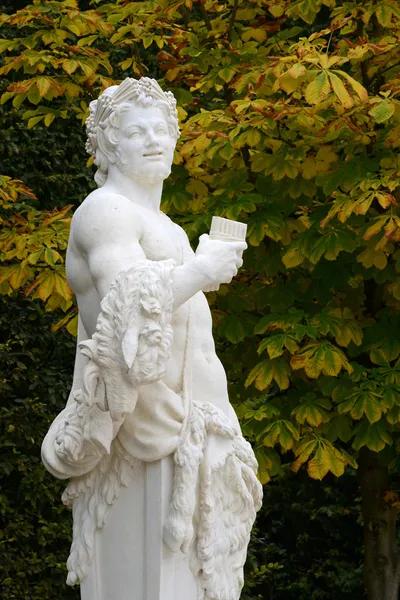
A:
x,y
162,239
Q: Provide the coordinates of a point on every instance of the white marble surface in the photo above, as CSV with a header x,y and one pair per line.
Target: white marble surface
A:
x,y
148,436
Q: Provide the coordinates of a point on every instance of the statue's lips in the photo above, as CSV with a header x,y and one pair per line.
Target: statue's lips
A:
x,y
153,155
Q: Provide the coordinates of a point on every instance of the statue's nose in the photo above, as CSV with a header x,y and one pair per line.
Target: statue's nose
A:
x,y
151,137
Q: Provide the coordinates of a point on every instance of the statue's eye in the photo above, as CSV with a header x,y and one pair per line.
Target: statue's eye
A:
x,y
134,134
161,129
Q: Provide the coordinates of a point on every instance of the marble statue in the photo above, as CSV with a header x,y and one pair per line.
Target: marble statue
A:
x,y
148,437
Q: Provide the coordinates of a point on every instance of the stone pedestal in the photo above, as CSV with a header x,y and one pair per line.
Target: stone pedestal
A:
x,y
134,562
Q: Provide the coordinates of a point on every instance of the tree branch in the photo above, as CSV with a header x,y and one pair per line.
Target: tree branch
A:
x,y
185,16
232,19
380,73
397,570
205,17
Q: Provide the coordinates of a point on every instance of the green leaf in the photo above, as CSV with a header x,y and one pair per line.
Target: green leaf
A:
x,y
383,111
384,14
339,427
6,45
367,403
282,432
87,40
312,410
276,343
393,415
226,74
373,435
318,89
233,328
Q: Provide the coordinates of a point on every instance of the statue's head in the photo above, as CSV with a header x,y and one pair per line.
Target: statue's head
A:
x,y
134,126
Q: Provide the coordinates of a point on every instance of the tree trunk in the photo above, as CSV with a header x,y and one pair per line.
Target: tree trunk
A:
x,y
381,562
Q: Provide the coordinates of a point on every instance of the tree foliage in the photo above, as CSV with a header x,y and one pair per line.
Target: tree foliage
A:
x,y
289,127
35,238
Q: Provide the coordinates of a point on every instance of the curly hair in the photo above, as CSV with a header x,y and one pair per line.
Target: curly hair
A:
x,y
103,122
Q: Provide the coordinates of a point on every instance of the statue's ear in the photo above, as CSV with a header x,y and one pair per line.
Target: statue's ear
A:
x,y
130,345
107,148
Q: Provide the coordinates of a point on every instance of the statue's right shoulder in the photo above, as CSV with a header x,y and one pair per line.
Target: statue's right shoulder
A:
x,y
103,215
103,203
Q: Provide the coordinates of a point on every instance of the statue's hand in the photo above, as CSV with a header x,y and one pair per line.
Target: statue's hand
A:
x,y
86,429
69,443
219,260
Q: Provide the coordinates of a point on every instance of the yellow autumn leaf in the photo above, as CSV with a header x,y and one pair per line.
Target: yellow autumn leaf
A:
x,y
260,35
375,228
61,285
253,137
43,85
334,459
297,70
340,91
324,157
172,73
70,65
46,285
34,120
385,199
318,467
49,118
286,82
309,168
277,9
197,187
292,258
20,275
380,260
72,326
356,85
303,452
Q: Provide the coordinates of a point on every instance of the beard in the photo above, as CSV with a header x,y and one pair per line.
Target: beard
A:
x,y
155,174
150,172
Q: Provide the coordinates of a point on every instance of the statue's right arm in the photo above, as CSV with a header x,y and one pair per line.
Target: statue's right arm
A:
x,y
108,231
